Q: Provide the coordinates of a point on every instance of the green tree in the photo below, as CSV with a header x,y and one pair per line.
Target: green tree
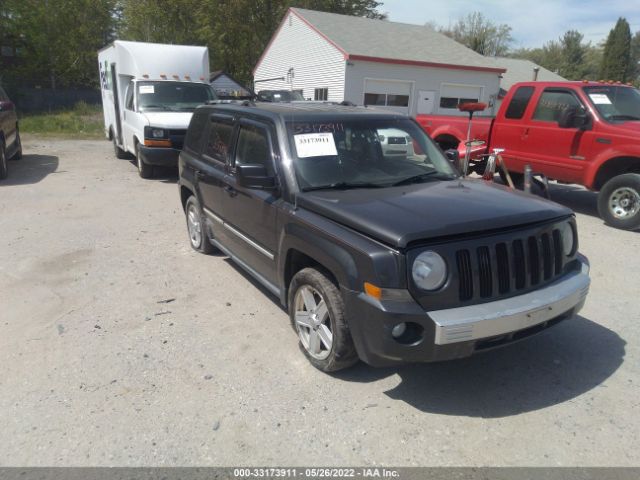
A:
x,y
58,39
481,34
634,64
573,55
617,53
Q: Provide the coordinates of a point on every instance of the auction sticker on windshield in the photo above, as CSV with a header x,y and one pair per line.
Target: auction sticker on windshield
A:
x,y
315,145
146,89
600,99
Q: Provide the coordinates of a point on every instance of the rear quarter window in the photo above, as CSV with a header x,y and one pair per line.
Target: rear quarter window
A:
x,y
218,140
519,103
195,133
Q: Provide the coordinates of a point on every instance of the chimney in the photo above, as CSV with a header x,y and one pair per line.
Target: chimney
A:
x,y
535,73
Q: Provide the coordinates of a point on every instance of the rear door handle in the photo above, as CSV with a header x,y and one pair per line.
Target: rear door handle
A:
x,y
230,190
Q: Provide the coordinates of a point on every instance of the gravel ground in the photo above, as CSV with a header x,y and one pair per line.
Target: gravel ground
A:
x,y
119,345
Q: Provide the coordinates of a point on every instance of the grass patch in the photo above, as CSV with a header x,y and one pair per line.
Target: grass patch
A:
x,y
82,122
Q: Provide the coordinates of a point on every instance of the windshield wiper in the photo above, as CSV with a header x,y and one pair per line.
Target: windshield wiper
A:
x,y
343,186
623,117
156,106
414,178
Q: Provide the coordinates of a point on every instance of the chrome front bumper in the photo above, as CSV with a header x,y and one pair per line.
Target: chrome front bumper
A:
x,y
504,316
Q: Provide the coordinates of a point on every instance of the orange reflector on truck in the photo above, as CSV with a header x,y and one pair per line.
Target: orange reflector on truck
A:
x,y
156,143
372,290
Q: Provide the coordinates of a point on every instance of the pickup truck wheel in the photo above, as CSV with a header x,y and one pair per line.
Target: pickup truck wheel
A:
x,y
317,312
144,169
196,227
619,202
3,162
120,153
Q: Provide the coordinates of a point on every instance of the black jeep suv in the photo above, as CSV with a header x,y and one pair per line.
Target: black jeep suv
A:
x,y
10,146
381,255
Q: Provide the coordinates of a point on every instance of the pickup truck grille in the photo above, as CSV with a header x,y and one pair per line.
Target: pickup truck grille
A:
x,y
506,267
176,136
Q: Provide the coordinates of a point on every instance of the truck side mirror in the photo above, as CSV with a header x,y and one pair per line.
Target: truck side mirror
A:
x,y
573,117
255,176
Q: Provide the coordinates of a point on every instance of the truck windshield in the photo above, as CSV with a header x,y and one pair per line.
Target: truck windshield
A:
x,y
364,153
173,96
615,103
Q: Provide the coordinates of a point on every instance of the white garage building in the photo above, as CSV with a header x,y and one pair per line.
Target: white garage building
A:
x,y
408,68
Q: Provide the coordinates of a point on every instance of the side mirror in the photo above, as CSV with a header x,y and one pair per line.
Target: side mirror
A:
x,y
573,117
255,176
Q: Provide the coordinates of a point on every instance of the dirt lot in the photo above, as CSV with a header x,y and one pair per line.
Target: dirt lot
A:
x,y
119,345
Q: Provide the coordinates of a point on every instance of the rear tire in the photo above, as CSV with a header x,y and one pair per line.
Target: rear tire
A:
x,y
196,227
144,169
619,202
18,145
317,312
119,153
3,162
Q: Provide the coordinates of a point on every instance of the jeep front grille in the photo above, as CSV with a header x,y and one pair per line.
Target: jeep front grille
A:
x,y
505,267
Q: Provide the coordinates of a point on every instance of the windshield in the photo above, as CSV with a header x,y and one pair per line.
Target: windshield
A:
x,y
280,96
364,154
614,103
173,96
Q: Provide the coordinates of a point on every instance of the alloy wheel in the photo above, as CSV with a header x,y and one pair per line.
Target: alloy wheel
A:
x,y
312,322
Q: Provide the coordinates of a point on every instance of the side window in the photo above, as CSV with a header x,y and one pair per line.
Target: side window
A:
x,y
519,103
253,147
551,104
195,132
218,140
129,100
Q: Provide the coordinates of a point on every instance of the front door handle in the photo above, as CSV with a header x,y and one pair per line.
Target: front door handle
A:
x,y
230,190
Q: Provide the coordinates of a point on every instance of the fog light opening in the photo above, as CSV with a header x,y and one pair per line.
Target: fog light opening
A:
x,y
407,333
399,330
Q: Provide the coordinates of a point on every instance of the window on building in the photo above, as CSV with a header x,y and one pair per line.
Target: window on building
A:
x,y
218,140
386,100
519,103
551,104
453,102
321,94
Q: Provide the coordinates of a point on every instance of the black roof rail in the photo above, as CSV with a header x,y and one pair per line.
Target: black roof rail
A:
x,y
248,103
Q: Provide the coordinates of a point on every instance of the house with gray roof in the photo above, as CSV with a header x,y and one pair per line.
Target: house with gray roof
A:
x,y
521,70
408,68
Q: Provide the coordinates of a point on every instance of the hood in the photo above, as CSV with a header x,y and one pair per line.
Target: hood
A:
x,y
398,216
177,120
627,127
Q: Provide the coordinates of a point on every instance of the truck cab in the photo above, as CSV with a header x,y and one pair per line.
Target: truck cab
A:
x,y
584,133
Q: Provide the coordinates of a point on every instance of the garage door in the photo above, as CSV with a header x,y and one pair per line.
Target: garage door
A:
x,y
388,94
453,94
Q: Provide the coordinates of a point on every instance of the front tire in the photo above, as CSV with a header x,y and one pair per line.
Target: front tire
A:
x,y
196,227
144,169
3,162
317,312
619,202
18,146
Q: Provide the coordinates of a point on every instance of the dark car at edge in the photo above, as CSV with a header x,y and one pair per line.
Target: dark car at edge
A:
x,y
10,145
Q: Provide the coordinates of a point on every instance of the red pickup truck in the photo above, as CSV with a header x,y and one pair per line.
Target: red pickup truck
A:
x,y
585,133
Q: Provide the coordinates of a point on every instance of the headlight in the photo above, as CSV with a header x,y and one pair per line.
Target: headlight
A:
x,y
568,239
429,271
157,133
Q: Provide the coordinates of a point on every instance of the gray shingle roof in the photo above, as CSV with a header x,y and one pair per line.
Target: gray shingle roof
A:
x,y
520,70
382,39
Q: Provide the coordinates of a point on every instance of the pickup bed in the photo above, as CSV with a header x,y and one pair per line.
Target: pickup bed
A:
x,y
584,133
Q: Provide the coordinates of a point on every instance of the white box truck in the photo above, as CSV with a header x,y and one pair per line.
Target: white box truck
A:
x,y
149,92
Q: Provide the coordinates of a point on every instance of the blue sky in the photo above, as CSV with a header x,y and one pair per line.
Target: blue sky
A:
x,y
534,22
